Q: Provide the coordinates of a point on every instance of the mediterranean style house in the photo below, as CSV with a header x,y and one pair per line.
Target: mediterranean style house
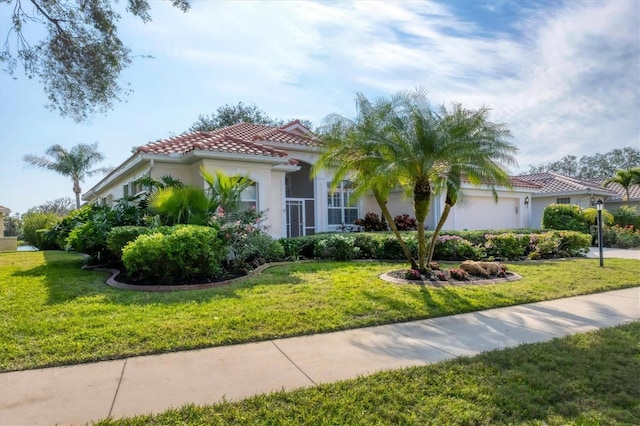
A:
x,y
279,160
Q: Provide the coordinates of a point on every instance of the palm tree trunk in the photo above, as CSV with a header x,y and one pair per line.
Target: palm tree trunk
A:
x,y
628,197
382,203
421,200
436,232
77,190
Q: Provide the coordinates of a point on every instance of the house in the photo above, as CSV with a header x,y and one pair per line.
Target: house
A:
x,y
559,189
278,160
6,243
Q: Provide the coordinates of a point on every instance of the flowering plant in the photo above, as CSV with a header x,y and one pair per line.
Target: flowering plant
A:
x,y
412,274
458,274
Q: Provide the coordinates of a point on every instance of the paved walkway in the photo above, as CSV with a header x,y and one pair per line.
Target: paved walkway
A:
x,y
151,384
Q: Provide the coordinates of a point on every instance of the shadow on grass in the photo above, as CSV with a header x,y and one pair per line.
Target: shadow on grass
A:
x,y
65,280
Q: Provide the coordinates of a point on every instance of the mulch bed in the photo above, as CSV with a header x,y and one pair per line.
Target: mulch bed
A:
x,y
398,277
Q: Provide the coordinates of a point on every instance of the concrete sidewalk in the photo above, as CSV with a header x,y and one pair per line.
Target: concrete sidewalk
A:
x,y
151,384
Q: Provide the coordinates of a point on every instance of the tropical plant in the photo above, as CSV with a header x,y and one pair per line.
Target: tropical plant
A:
x,y
357,150
75,163
32,222
180,205
224,191
479,151
625,178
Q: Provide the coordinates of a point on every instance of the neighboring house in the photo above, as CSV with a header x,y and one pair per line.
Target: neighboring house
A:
x,y
6,243
620,198
279,160
559,189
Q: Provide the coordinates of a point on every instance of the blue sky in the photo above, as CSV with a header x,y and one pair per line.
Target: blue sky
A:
x,y
564,76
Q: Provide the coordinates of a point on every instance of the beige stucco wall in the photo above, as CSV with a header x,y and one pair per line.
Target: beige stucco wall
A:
x,y
8,243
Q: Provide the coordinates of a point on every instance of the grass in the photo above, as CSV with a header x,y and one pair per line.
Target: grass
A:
x,y
54,313
585,379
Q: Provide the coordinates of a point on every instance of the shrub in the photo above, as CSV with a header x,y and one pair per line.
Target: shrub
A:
x,y
371,223
452,247
458,274
412,274
77,217
565,217
120,236
621,237
257,249
625,216
45,240
291,248
187,253
507,245
337,247
573,243
405,223
368,244
545,245
32,222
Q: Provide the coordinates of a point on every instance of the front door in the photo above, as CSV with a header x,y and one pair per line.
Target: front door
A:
x,y
300,217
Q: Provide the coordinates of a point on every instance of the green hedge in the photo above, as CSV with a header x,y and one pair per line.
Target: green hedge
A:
x,y
458,245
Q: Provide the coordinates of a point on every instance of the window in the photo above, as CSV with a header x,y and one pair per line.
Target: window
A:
x,y
342,209
563,200
249,198
125,190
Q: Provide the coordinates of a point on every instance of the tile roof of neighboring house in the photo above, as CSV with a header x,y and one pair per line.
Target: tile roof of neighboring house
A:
x,y
554,183
241,138
620,193
4,209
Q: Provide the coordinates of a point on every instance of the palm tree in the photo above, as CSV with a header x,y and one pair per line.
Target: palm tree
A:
x,y
75,163
625,178
354,150
482,148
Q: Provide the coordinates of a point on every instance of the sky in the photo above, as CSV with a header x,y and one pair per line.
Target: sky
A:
x,y
563,76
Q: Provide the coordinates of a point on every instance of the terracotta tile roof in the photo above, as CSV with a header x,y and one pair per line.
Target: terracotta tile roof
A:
x,y
241,138
554,182
620,193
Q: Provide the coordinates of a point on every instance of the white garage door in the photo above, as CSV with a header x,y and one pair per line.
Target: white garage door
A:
x,y
484,213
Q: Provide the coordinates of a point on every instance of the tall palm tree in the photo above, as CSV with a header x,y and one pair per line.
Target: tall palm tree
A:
x,y
354,150
75,163
483,149
625,178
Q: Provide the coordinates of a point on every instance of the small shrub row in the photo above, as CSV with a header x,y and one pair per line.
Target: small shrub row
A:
x,y
503,246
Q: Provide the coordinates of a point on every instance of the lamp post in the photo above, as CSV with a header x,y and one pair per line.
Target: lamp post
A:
x,y
599,207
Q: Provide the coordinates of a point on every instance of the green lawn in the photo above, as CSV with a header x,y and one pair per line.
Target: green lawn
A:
x,y
586,379
54,313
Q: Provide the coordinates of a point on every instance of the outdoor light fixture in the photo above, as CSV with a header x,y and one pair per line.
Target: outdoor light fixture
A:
x,y
599,205
526,201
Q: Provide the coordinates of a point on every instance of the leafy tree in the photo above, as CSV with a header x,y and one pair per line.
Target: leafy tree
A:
x,y
75,163
12,225
229,115
60,206
80,59
625,178
32,222
598,166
